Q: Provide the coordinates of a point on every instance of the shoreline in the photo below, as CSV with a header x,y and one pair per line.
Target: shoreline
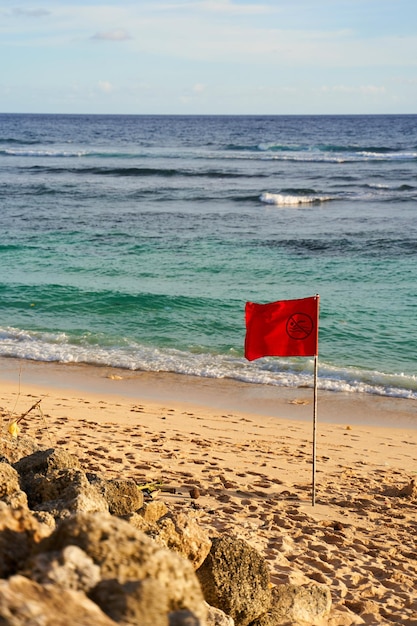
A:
x,y
293,403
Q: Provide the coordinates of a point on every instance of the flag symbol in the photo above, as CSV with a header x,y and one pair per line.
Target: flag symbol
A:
x,y
283,328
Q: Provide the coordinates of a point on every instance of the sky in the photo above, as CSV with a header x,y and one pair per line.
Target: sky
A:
x,y
268,57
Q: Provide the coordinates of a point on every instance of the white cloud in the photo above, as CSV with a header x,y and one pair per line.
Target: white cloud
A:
x,y
198,39
367,90
405,81
201,31
222,7
117,34
179,47
105,86
30,12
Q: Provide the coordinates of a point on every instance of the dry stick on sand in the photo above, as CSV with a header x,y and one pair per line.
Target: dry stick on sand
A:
x,y
14,422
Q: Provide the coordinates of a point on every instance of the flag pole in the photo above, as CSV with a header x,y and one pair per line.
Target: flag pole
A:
x,y
313,496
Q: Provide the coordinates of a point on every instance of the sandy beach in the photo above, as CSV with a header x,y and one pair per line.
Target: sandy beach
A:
x,y
239,457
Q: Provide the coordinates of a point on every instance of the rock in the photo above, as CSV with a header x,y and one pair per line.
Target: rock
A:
x,y
146,517
75,543
19,532
14,448
64,491
45,518
10,492
177,532
9,480
42,461
123,496
182,534
70,568
128,555
26,603
143,602
183,618
235,578
17,500
139,522
153,511
216,617
299,603
54,482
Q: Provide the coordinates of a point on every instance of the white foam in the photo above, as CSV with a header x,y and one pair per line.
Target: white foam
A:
x,y
44,153
277,372
278,199
394,156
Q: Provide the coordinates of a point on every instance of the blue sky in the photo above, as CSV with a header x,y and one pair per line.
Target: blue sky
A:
x,y
208,56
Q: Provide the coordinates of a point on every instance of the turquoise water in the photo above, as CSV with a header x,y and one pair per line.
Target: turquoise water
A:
x,y
135,241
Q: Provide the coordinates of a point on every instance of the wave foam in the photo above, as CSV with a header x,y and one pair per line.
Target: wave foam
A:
x,y
43,153
50,347
278,199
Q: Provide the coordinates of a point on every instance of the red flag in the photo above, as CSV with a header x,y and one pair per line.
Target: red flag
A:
x,y
284,328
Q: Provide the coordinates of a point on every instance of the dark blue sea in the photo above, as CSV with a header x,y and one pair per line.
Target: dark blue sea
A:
x,y
135,241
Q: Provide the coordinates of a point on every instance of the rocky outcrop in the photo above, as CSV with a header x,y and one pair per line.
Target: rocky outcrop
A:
x,y
126,555
55,483
76,548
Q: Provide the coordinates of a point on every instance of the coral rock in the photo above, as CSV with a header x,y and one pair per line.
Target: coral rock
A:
x,y
153,511
70,568
235,578
65,491
182,534
9,480
295,603
127,555
19,532
42,461
24,602
123,496
15,448
216,617
143,602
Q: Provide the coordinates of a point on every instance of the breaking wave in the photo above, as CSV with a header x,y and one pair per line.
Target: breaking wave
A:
x,y
279,199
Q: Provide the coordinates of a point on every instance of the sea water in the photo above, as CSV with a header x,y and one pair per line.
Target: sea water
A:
x,y
135,241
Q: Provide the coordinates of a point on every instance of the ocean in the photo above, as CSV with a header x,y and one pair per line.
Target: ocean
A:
x,y
135,242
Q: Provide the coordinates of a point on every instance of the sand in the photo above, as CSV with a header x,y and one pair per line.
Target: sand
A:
x,y
239,457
